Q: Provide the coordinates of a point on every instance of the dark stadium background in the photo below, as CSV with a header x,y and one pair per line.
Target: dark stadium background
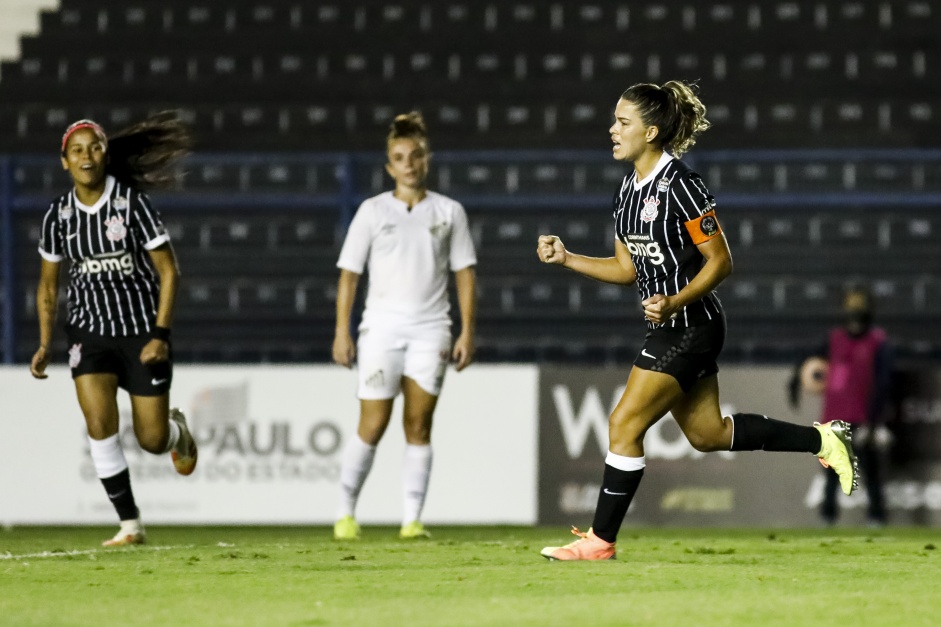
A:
x,y
823,156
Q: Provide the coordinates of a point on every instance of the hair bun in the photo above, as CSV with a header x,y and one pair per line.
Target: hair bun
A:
x,y
408,125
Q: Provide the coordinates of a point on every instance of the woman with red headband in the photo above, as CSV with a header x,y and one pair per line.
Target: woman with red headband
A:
x,y
122,285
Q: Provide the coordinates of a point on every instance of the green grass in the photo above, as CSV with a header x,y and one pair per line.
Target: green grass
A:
x,y
468,576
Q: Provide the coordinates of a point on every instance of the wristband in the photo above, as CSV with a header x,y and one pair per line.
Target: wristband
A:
x,y
161,333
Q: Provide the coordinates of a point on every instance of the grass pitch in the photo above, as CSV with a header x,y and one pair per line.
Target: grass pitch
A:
x,y
298,576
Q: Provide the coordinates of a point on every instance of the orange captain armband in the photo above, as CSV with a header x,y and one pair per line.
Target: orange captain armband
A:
x,y
703,228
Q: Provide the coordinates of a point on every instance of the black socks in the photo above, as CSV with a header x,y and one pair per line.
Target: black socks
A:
x,y
617,491
753,432
118,488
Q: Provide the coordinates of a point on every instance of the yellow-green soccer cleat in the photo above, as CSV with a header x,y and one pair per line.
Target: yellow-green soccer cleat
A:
x,y
836,452
414,530
346,529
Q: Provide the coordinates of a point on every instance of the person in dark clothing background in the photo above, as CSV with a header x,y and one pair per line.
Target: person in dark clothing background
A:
x,y
852,370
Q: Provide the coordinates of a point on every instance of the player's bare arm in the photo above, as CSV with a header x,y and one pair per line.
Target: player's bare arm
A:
x,y
659,308
46,301
344,350
164,260
618,269
465,280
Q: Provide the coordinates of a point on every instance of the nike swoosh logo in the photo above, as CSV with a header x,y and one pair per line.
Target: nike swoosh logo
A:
x,y
72,235
157,381
114,496
607,491
646,354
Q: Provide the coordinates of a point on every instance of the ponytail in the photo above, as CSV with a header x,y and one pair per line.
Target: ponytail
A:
x,y
674,109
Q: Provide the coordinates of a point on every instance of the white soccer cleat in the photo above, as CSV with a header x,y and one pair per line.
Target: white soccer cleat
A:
x,y
131,532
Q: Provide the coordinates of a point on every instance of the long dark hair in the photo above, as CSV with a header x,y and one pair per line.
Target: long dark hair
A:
x,y
145,153
674,108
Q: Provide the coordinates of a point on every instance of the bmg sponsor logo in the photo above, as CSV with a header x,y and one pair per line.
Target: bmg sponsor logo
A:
x,y
123,263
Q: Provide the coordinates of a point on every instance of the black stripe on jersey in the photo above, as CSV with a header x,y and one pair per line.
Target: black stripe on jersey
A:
x,y
650,222
113,287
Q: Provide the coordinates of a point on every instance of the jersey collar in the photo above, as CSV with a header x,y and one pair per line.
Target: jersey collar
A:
x,y
404,205
665,158
105,195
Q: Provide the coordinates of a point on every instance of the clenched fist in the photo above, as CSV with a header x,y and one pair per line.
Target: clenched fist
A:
x,y
551,250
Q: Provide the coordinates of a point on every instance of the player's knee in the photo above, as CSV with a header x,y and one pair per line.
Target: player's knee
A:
x,y
153,440
704,442
626,432
418,431
98,429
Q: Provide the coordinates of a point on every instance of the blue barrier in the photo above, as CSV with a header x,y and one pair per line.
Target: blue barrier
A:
x,y
346,191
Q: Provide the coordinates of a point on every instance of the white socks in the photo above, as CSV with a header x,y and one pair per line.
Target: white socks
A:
x,y
416,471
357,461
627,464
107,455
174,436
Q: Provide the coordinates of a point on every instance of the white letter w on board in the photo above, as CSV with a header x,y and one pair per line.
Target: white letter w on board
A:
x,y
591,418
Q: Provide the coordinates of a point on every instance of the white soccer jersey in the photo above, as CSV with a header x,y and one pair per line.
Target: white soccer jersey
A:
x,y
408,254
113,287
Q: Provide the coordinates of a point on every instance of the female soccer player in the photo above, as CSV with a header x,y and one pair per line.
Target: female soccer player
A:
x,y
409,238
668,241
122,285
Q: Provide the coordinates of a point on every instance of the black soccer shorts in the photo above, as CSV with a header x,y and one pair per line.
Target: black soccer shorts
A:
x,y
90,353
685,353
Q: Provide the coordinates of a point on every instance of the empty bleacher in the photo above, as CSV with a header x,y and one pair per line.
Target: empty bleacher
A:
x,y
263,74
292,100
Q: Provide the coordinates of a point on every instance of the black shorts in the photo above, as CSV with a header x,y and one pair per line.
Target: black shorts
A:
x,y
90,353
685,353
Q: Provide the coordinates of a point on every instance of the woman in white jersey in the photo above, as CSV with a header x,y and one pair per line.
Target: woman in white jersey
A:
x,y
669,242
410,239
122,284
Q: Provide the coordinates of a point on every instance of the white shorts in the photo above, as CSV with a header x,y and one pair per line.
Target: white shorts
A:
x,y
385,355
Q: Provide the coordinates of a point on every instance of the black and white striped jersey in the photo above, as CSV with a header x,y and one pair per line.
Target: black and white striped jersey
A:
x,y
660,220
113,286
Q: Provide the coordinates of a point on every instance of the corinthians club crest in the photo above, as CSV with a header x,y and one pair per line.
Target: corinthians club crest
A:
x,y
649,212
116,229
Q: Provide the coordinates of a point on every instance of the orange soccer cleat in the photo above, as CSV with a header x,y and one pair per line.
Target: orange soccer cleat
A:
x,y
184,454
587,547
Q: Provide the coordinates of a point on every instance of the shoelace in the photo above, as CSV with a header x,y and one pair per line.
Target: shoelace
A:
x,y
581,536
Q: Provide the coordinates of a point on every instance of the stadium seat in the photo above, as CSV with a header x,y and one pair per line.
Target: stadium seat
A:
x,y
742,177
751,297
836,233
606,300
881,176
511,235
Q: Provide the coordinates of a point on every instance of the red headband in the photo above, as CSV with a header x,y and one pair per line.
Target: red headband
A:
x,y
74,126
